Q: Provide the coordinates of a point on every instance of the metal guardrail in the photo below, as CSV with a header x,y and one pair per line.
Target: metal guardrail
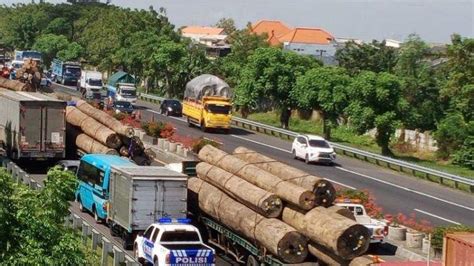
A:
x,y
402,166
76,222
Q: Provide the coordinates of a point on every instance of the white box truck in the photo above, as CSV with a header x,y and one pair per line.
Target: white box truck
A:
x,y
91,86
140,196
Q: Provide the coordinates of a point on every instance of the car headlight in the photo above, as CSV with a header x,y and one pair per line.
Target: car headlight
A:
x,y
169,109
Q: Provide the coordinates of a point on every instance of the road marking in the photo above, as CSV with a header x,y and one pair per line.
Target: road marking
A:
x,y
436,216
287,151
407,189
263,144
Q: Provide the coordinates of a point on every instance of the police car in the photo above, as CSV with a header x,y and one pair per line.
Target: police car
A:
x,y
173,242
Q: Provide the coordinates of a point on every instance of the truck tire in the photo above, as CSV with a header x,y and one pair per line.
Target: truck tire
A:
x,y
189,122
252,261
155,261
97,219
203,127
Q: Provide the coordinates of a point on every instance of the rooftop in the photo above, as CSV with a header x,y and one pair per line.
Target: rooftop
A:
x,y
307,35
271,27
202,30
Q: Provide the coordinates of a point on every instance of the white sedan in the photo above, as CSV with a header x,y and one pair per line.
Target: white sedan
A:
x,y
313,148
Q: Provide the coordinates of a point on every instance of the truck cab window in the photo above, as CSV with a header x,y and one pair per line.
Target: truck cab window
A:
x,y
359,211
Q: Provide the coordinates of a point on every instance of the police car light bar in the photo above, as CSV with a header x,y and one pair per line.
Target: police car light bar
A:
x,y
169,220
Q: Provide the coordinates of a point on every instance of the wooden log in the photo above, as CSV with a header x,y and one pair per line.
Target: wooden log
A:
x,y
92,128
105,119
322,189
266,203
14,85
90,145
342,211
325,256
277,237
287,191
342,236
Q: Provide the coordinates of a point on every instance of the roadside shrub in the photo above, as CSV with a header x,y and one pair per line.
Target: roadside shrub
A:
x,y
366,199
158,129
167,131
440,231
465,156
197,146
119,116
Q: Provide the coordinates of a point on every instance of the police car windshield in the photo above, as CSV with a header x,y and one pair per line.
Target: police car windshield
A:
x,y
179,236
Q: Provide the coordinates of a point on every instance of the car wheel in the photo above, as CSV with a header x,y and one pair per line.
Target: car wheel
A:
x,y
306,159
141,261
81,207
167,113
97,219
294,154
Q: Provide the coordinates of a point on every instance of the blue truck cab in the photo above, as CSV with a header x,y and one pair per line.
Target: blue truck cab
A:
x,y
93,175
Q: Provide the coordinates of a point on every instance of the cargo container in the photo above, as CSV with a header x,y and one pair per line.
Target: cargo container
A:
x,y
32,125
458,249
139,196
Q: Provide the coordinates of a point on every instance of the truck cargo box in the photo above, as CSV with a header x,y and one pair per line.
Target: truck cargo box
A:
x,y
458,249
32,125
139,196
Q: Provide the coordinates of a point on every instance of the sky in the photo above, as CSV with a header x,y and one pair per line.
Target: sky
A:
x,y
433,20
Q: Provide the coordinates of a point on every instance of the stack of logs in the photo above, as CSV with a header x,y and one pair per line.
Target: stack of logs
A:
x,y
283,209
95,131
28,78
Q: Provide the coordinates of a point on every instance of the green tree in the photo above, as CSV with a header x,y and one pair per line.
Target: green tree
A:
x,y
375,102
375,57
419,85
59,26
323,89
36,233
228,24
458,90
451,133
50,45
272,73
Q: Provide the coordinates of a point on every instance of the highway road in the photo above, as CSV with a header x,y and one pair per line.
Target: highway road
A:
x,y
394,192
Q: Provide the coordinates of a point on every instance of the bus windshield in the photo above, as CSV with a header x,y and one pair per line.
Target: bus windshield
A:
x,y
218,109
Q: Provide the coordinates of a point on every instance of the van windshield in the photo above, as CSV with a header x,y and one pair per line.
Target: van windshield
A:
x,y
218,109
318,143
88,173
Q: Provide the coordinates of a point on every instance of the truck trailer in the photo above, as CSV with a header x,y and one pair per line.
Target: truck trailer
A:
x,y
139,196
32,125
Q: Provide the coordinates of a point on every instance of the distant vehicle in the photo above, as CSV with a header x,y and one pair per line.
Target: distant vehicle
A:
x,y
313,149
123,92
32,125
378,229
207,103
171,107
123,107
90,85
20,56
69,165
121,87
126,195
173,243
66,73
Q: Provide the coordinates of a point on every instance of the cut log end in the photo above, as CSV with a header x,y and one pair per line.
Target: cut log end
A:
x,y
272,207
324,192
130,132
307,200
354,241
292,248
113,141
